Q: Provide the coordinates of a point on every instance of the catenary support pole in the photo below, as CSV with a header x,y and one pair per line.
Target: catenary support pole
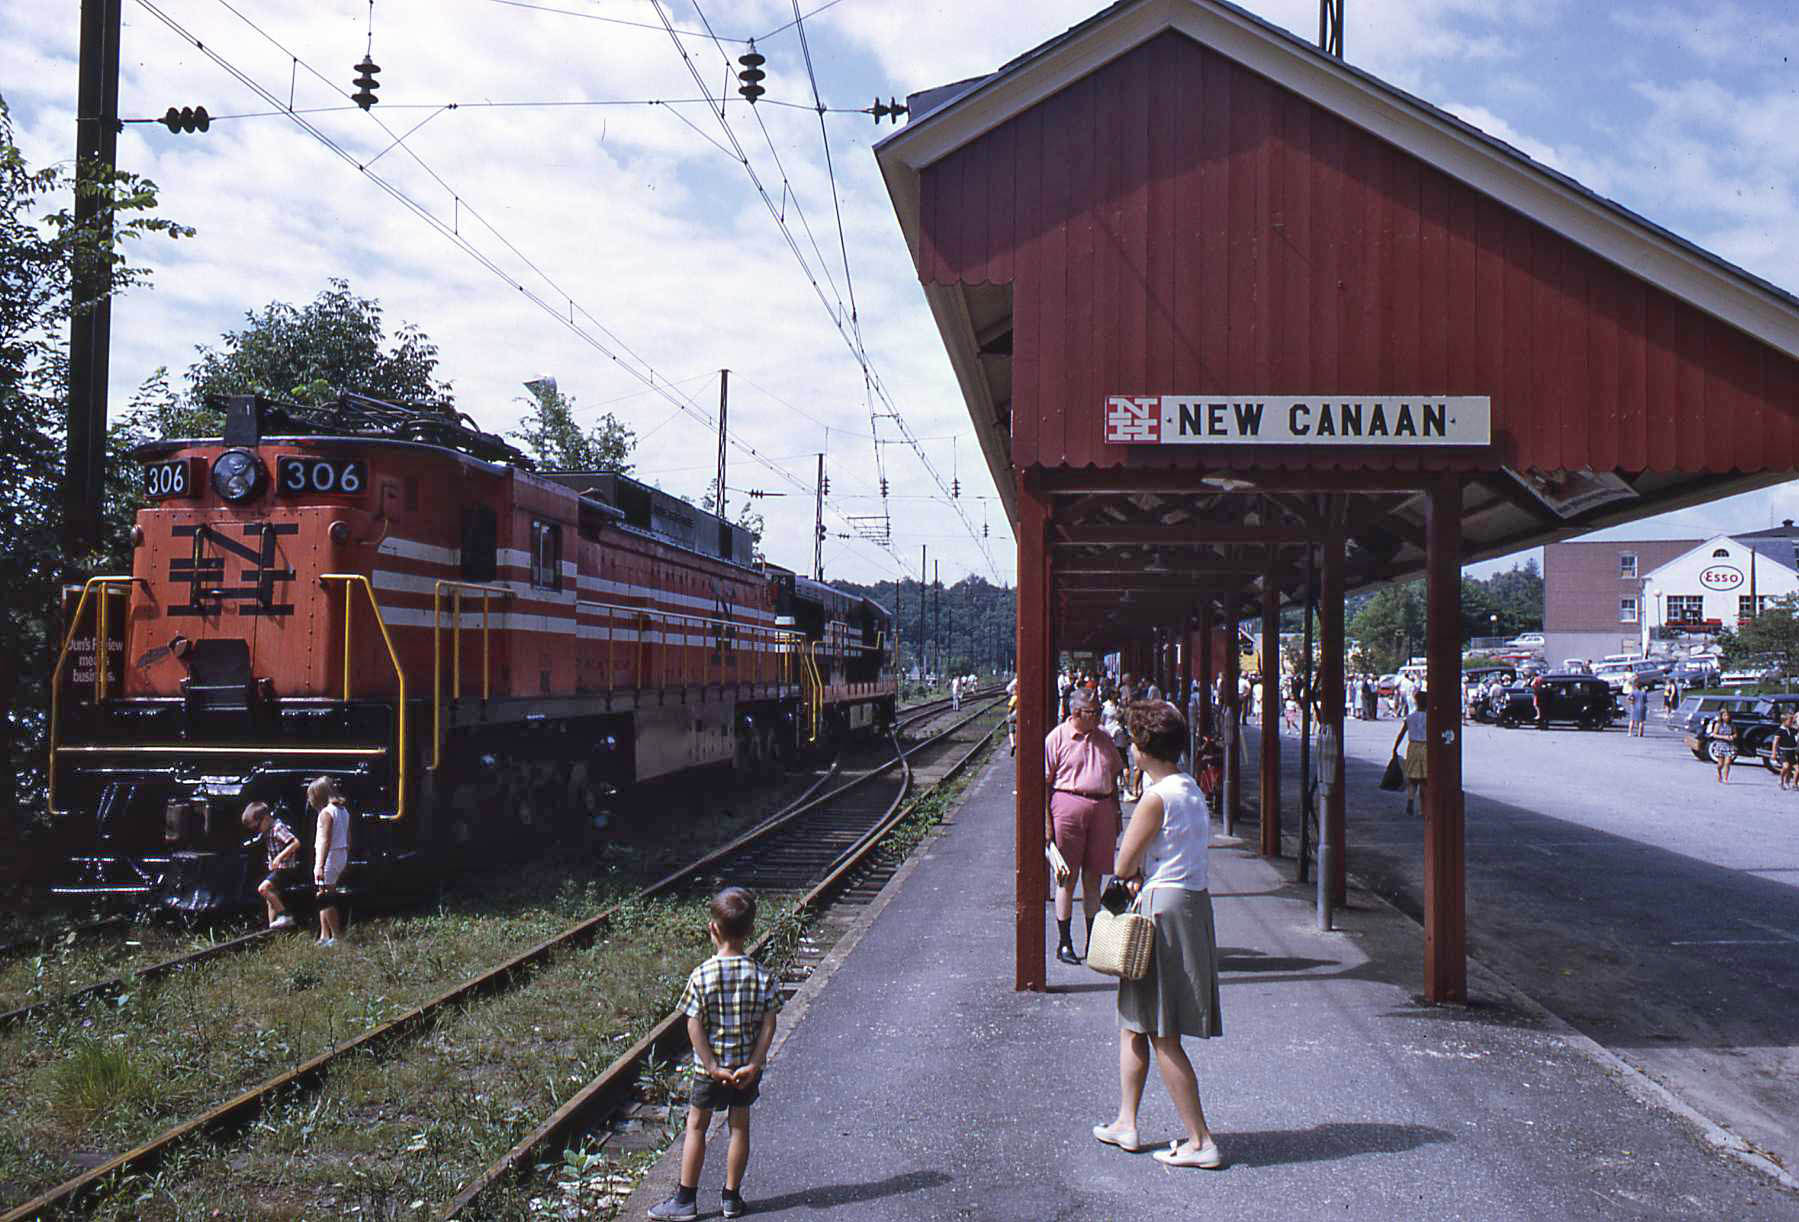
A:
x,y
90,326
818,537
1271,711
1036,681
1445,917
1332,859
724,404
924,665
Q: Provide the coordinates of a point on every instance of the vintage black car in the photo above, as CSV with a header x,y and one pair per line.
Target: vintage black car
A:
x,y
1694,719
1756,722
1579,700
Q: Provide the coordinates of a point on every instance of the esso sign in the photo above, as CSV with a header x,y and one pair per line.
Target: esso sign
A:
x,y
1721,577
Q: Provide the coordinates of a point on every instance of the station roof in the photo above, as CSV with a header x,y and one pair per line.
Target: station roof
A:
x,y
1178,197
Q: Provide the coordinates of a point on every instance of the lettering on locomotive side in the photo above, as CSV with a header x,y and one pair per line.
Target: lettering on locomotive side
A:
x,y
205,573
1316,420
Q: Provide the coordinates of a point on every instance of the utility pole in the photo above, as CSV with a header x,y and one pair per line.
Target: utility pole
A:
x,y
1330,27
950,639
724,398
818,529
90,327
937,616
924,550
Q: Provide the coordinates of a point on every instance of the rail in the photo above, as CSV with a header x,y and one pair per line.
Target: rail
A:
x,y
351,582
107,586
457,590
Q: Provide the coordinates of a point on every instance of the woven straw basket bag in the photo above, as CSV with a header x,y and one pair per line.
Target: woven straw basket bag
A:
x,y
1121,944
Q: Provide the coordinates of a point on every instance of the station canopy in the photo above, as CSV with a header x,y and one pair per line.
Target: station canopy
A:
x,y
1176,205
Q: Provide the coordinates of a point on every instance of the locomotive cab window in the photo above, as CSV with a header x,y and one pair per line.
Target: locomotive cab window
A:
x,y
480,543
546,555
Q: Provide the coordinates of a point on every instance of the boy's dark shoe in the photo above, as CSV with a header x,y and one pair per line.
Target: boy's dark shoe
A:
x,y
733,1207
676,1210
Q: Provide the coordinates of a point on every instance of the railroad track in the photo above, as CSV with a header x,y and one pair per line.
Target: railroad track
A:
x,y
851,880
39,941
114,985
790,826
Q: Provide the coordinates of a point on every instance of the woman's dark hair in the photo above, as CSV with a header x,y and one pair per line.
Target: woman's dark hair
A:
x,y
1157,729
734,912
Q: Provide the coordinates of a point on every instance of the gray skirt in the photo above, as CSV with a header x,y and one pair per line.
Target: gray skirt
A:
x,y
1179,993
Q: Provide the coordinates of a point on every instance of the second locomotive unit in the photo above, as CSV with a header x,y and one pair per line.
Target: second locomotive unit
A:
x,y
476,651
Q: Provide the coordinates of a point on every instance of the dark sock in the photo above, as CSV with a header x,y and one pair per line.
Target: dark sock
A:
x,y
1064,938
686,1195
1090,929
732,1194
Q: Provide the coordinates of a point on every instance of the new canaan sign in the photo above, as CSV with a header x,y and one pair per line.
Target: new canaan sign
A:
x,y
1299,420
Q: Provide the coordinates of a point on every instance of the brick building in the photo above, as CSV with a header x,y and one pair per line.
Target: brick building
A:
x,y
1592,595
1598,598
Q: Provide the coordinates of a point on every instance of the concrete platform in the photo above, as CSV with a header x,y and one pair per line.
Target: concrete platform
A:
x,y
911,1082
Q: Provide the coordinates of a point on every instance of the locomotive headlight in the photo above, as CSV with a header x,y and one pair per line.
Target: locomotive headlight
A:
x,y
237,475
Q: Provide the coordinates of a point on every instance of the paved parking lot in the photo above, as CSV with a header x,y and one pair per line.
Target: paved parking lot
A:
x,y
1618,883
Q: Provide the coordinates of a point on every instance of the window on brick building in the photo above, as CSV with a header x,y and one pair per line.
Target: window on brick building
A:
x,y
1627,610
1627,565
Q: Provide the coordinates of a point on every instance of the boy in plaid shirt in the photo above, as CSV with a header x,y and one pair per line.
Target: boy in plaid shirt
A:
x,y
731,1002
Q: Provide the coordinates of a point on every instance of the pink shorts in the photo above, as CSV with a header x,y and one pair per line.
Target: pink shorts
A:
x,y
1086,831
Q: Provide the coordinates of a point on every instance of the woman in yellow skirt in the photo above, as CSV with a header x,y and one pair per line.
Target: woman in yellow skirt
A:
x,y
1415,730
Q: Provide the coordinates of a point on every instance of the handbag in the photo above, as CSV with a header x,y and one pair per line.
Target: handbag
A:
x,y
1121,943
1394,777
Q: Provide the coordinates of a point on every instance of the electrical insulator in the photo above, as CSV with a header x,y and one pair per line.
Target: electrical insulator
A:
x,y
187,119
823,533
750,79
366,84
883,486
888,109
983,530
826,486
955,489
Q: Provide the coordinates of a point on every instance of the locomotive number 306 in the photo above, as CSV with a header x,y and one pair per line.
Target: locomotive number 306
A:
x,y
167,479
297,476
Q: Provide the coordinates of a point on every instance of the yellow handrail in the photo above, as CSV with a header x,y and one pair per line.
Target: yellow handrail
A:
x,y
106,585
358,579
646,616
456,589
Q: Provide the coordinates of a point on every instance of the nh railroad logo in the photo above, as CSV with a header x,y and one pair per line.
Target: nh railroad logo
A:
x,y
1133,421
206,575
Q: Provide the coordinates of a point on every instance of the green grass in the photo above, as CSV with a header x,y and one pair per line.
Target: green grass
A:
x,y
96,1077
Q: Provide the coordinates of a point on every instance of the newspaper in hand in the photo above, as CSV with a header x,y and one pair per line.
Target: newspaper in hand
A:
x,y
1057,863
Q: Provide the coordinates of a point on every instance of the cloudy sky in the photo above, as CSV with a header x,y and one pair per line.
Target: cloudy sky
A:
x,y
589,241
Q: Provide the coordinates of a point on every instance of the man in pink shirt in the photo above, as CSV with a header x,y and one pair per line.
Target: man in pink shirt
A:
x,y
1081,767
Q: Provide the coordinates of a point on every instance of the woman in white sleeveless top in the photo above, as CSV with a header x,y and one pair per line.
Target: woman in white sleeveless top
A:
x,y
1164,856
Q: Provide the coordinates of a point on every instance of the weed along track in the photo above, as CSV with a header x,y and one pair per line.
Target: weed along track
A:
x,y
412,1093
111,956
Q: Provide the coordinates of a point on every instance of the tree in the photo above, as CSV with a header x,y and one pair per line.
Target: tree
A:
x,y
1772,637
306,354
551,436
1389,625
40,252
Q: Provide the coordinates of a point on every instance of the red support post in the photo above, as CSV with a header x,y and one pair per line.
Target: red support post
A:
x,y
1271,713
1036,696
1206,678
1330,700
1233,717
1445,911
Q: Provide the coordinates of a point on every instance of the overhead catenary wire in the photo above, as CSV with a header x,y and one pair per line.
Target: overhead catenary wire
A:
x,y
839,309
635,366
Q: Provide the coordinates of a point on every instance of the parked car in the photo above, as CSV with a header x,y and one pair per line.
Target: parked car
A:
x,y
1386,685
1693,674
1576,666
1579,700
1756,725
1527,640
1752,672
1694,717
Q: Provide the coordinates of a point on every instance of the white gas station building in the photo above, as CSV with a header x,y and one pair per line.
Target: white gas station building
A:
x,y
1718,584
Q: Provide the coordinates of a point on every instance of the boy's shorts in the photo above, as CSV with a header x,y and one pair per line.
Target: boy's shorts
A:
x,y
710,1094
286,878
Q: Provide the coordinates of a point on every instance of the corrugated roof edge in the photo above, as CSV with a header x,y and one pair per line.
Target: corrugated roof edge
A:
x,y
976,84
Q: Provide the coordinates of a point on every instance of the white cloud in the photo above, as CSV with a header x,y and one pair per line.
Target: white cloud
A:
x,y
658,234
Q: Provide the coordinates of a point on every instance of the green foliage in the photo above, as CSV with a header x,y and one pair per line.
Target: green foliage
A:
x,y
41,251
975,631
1388,625
550,434
96,1077
1772,637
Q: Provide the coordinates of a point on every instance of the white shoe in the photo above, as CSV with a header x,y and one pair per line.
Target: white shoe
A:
x,y
284,921
1112,1135
327,942
1206,1157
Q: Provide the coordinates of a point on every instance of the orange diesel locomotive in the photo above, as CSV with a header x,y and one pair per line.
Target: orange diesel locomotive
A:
x,y
477,651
